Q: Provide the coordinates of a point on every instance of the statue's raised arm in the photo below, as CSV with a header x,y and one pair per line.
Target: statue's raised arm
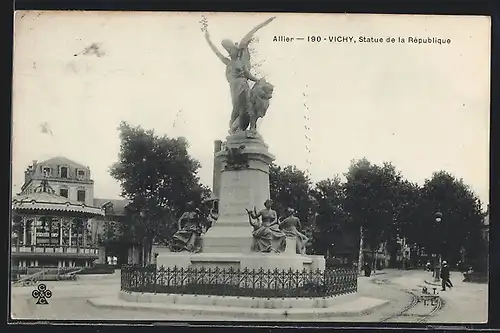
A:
x,y
248,37
215,50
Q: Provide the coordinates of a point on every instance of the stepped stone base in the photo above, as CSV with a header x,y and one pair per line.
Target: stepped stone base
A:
x,y
281,261
241,302
203,307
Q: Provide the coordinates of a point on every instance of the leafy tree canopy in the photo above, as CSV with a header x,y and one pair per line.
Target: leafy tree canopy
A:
x,y
462,216
291,187
159,176
371,198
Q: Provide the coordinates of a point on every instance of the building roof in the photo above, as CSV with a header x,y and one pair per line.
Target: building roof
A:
x,y
117,204
60,160
45,199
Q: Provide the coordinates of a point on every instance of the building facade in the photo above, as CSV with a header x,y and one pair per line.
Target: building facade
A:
x,y
51,230
68,179
56,219
107,233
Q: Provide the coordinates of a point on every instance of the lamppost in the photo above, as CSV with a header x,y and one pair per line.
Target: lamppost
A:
x,y
142,216
437,275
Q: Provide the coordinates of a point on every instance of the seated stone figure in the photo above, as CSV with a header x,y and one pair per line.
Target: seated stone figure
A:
x,y
266,233
290,226
187,237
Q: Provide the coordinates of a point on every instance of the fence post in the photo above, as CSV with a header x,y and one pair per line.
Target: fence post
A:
x,y
155,278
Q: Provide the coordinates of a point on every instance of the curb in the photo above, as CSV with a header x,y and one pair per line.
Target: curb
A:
x,y
235,312
362,275
433,283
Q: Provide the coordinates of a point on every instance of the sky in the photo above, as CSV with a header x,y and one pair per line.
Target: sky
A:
x,y
423,107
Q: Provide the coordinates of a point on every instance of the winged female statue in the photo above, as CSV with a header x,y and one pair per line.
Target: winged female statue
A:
x,y
248,104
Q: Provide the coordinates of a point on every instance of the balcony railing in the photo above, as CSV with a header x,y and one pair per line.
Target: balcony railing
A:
x,y
55,249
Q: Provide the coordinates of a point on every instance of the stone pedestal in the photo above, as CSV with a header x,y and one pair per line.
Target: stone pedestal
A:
x,y
280,261
252,260
243,180
291,245
172,259
242,187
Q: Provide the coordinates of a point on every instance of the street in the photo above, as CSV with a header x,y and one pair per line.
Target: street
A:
x,y
465,303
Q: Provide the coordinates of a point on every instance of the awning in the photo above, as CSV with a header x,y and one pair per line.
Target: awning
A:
x,y
46,200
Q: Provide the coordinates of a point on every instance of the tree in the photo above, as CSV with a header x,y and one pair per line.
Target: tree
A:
x,y
462,217
159,176
405,224
291,187
330,219
370,201
407,203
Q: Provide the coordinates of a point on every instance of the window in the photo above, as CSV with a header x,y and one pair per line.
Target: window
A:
x,y
64,192
80,195
80,174
64,172
47,171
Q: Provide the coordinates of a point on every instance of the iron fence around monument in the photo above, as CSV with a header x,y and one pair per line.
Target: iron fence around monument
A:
x,y
239,282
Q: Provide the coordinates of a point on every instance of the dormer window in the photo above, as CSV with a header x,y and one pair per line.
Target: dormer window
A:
x,y
64,172
47,171
80,174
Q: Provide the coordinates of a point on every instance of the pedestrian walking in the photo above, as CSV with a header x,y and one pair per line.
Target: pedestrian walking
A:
x,y
368,270
445,276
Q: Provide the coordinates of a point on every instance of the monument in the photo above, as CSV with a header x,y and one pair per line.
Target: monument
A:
x,y
244,260
247,233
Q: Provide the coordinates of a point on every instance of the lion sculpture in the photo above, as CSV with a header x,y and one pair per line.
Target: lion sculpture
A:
x,y
259,98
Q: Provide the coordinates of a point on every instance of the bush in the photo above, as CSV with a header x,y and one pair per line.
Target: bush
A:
x,y
98,269
480,277
333,263
337,263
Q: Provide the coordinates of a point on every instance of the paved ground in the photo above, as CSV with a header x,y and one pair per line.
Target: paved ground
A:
x,y
465,303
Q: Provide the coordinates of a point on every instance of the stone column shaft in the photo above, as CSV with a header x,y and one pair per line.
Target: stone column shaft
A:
x,y
61,221
240,189
34,230
24,231
69,235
